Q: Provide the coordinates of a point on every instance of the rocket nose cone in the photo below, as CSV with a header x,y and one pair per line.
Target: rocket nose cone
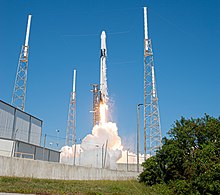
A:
x,y
103,35
103,40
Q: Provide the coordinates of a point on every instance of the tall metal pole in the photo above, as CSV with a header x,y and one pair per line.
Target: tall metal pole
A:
x,y
145,87
74,162
152,128
20,86
127,159
58,131
27,35
45,137
138,135
106,148
103,155
79,155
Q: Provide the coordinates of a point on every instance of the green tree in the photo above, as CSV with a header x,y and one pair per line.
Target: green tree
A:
x,y
188,157
151,174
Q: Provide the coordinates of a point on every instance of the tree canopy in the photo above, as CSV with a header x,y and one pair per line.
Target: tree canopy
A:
x,y
189,158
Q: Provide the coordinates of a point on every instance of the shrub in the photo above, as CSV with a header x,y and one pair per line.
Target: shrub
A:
x,y
189,161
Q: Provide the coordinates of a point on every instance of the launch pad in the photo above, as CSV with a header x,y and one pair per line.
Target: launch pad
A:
x,y
104,131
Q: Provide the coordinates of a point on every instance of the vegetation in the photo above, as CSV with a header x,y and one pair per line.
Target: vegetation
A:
x,y
188,162
47,187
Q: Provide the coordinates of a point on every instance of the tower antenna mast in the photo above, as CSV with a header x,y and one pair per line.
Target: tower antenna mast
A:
x,y
20,86
152,127
71,123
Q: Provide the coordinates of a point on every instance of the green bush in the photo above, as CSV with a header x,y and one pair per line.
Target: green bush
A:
x,y
189,161
151,174
209,182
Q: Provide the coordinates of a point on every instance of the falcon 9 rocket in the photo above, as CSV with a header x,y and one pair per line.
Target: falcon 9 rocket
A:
x,y
103,79
103,93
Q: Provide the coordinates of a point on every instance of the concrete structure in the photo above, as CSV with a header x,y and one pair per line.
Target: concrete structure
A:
x,y
49,170
6,147
128,167
19,125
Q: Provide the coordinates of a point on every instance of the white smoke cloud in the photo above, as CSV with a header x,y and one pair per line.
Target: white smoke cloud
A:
x,y
102,149
101,134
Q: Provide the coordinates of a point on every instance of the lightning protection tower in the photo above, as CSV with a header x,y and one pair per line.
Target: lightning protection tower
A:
x,y
20,86
96,115
152,127
71,123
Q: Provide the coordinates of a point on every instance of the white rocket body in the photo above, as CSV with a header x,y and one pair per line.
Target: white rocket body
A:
x,y
103,78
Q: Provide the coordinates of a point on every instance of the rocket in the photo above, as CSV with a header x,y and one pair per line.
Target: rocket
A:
x,y
103,79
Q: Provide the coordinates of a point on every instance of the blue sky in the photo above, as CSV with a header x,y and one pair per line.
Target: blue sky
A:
x,y
65,34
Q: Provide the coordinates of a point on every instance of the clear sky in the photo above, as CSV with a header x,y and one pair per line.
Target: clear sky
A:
x,y
65,35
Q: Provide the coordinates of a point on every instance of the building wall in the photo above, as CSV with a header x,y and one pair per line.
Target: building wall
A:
x,y
6,147
16,124
6,120
15,148
36,152
48,170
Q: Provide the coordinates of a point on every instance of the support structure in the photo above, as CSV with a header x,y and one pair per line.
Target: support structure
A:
x,y
71,123
96,115
152,127
20,86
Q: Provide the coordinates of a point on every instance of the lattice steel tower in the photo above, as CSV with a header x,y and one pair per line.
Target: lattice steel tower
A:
x,y
20,86
96,113
152,127
71,123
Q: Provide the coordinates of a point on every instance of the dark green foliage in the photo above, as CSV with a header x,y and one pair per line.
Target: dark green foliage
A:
x,y
151,173
189,161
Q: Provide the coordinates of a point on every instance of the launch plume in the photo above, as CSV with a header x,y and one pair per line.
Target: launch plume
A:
x,y
102,148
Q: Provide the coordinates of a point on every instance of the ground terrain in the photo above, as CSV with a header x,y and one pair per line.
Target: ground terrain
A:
x,y
47,187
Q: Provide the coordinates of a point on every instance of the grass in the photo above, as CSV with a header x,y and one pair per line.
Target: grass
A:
x,y
49,187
